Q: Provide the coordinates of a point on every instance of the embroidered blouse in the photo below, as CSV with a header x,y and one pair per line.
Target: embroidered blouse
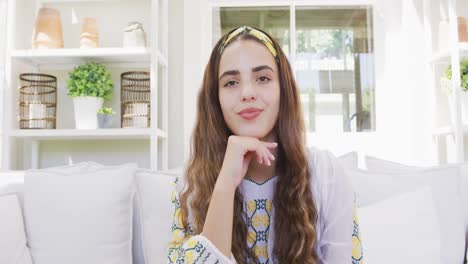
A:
x,y
338,239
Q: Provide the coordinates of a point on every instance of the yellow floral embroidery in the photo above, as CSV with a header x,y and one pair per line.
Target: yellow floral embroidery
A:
x,y
261,251
252,237
251,206
268,205
357,254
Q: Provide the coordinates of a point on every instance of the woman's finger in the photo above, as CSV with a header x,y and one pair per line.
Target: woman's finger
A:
x,y
270,145
266,157
259,157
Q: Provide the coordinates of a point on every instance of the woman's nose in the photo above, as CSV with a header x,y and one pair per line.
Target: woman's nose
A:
x,y
248,94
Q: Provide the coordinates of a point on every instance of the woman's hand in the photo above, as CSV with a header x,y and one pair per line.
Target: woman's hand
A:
x,y
239,153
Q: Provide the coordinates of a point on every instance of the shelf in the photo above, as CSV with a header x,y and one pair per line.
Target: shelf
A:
x,y
161,59
447,130
108,133
443,57
77,1
77,56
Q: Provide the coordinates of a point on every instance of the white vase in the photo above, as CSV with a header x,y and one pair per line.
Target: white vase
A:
x,y
86,108
134,35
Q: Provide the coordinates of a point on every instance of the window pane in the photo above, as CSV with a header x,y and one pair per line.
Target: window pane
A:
x,y
335,68
273,20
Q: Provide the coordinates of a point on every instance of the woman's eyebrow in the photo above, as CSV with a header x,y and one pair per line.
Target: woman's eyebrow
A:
x,y
255,69
262,67
233,72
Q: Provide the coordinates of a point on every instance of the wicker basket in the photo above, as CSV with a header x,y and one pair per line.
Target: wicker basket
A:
x,y
135,99
37,101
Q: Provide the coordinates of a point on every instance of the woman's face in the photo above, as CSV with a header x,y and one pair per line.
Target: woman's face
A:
x,y
249,88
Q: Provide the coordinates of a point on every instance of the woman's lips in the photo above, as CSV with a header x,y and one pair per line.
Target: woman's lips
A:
x,y
250,113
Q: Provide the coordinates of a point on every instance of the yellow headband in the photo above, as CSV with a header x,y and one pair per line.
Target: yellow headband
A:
x,y
254,32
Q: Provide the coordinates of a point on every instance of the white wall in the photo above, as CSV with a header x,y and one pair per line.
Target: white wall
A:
x,y
176,82
194,62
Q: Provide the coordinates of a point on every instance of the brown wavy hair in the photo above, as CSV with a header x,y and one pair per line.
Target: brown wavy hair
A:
x,y
295,209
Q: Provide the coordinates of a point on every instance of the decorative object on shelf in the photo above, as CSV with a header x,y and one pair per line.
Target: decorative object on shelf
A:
x,y
37,101
89,85
135,99
446,86
134,35
89,37
462,29
47,32
105,115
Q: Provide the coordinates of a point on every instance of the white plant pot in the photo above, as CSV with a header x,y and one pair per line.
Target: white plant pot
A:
x,y
86,108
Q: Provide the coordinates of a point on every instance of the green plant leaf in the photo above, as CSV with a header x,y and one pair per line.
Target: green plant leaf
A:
x,y
90,79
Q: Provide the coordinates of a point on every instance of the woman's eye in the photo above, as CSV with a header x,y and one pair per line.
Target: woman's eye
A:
x,y
263,79
230,83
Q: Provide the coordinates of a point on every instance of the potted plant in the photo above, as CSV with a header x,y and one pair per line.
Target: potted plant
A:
x,y
89,85
446,86
105,117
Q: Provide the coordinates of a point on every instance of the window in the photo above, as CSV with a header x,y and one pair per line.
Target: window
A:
x,y
333,59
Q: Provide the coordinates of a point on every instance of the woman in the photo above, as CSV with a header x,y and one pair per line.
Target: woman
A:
x,y
252,192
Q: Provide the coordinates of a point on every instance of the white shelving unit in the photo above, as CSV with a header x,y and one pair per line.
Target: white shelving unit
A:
x,y
439,60
112,16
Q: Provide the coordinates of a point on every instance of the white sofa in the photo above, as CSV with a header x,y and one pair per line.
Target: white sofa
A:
x,y
149,189
92,190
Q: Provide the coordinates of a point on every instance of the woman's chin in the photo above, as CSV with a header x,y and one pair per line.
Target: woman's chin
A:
x,y
251,133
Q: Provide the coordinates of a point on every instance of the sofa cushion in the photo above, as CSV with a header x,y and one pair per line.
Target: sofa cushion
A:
x,y
395,230
376,164
154,194
137,248
84,217
349,160
372,186
13,244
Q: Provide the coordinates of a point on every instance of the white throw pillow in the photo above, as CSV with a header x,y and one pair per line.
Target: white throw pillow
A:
x,y
402,229
156,209
137,248
13,245
376,164
349,160
11,181
372,187
81,218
